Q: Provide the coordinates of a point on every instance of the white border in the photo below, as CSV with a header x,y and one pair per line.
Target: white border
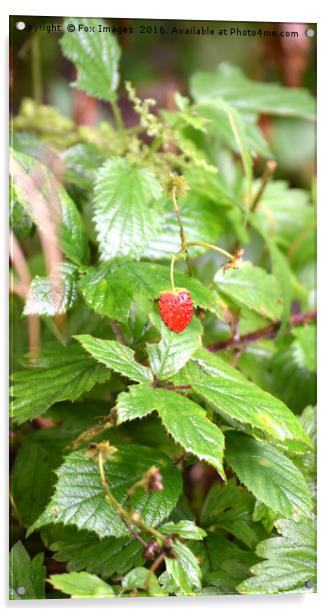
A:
x,y
252,10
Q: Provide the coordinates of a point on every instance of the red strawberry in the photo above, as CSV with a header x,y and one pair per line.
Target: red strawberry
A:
x,y
176,309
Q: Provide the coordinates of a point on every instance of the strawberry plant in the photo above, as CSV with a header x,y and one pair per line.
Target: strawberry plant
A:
x,y
163,342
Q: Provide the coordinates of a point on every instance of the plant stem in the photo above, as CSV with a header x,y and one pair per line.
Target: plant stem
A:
x,y
212,247
157,141
152,569
36,70
264,332
182,234
121,511
118,117
267,175
176,387
172,280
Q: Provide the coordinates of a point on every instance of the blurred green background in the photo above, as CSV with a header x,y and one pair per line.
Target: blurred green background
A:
x,y
159,64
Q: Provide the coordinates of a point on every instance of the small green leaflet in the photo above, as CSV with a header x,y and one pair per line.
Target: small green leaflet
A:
x,y
184,570
249,96
283,213
304,347
269,475
79,497
81,549
49,205
61,373
96,55
116,356
231,508
182,418
230,564
251,287
53,295
26,576
82,585
33,476
82,162
110,290
290,561
169,355
141,578
127,212
184,528
239,400
236,126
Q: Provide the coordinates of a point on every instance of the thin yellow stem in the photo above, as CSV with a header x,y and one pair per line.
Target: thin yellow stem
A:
x,y
212,247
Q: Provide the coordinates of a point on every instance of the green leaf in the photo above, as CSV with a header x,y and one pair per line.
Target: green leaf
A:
x,y
169,355
184,528
96,55
283,213
82,585
182,418
79,497
49,205
251,287
116,356
26,576
141,578
238,130
269,475
231,508
82,161
126,209
282,272
202,220
230,564
33,477
250,96
110,290
241,402
60,373
291,380
84,550
290,561
53,295
184,570
304,347
219,109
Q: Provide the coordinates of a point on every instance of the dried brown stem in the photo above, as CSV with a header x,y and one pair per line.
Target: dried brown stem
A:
x,y
21,288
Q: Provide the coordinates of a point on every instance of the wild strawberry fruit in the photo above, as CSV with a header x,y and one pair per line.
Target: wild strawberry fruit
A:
x,y
176,309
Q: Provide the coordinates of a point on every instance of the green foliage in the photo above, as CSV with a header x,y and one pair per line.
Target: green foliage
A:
x,y
279,484
82,585
126,214
150,463
96,57
58,374
290,562
253,288
26,575
183,419
231,84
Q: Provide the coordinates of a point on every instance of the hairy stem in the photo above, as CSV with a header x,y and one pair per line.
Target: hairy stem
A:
x,y
182,235
264,332
267,175
121,511
118,117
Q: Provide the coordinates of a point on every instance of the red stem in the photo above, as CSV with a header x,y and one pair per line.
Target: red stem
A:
x,y
264,332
